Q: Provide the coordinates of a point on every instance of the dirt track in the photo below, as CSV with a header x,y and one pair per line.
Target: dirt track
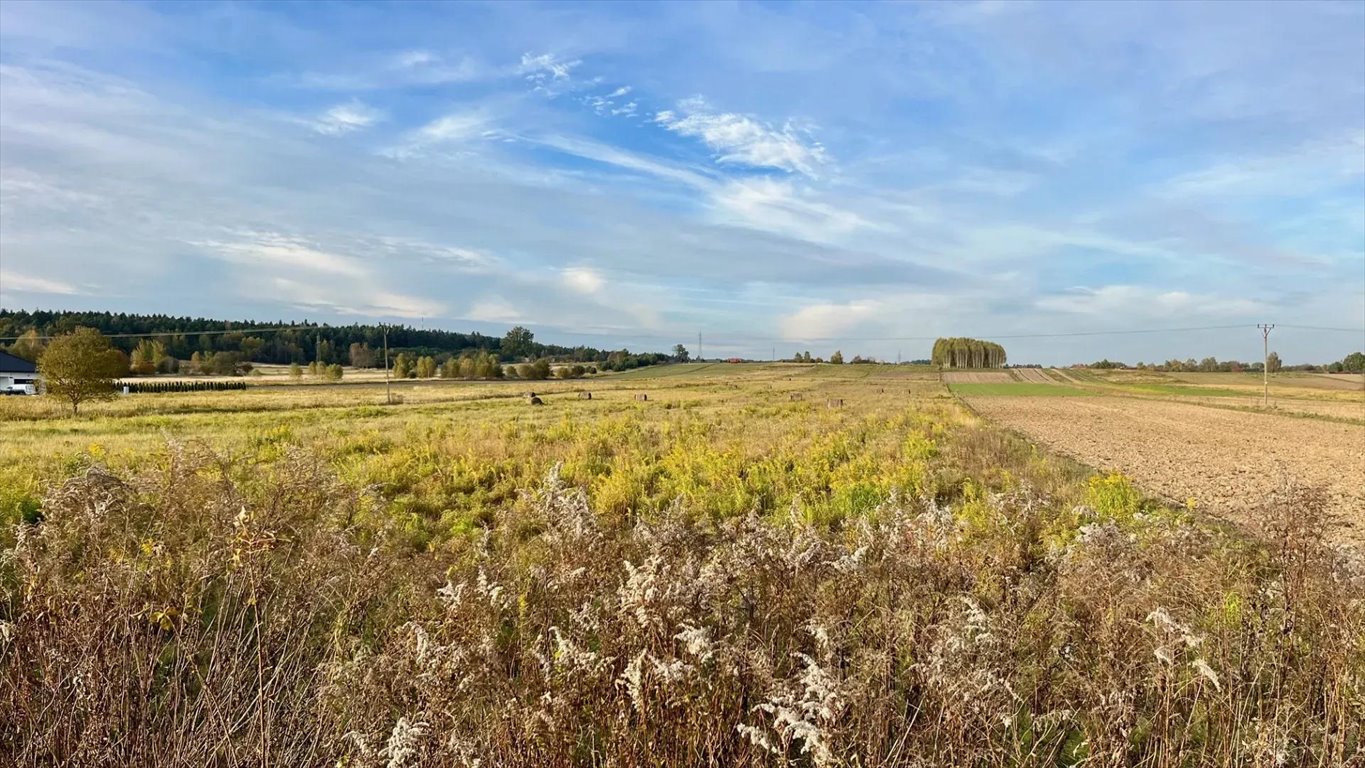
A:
x,y
1227,460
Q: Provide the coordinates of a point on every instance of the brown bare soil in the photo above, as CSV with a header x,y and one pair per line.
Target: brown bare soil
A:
x,y
1065,374
1350,382
977,377
1228,461
1034,375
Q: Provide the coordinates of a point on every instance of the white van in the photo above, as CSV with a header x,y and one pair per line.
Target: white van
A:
x,y
21,387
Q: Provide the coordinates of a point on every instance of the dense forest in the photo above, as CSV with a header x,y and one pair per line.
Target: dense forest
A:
x,y
180,338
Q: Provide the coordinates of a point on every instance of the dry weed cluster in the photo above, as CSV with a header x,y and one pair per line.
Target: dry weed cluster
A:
x,y
209,614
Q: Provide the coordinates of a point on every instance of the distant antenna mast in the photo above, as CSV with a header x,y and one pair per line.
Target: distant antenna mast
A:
x,y
700,355
1266,328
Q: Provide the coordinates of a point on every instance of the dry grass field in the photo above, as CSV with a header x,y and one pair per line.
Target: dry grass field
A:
x,y
756,565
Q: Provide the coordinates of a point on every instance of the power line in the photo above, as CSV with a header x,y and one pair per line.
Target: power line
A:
x,y
1323,328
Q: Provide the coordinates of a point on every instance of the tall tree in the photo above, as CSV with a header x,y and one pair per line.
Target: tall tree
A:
x,y
680,353
81,367
518,343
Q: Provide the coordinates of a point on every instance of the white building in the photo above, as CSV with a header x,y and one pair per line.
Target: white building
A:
x,y
17,375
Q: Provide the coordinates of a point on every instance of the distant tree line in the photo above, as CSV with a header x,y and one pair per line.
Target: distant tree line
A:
x,y
1352,363
229,347
968,353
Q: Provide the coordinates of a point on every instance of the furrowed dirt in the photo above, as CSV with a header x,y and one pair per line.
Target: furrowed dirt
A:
x,y
1034,375
977,377
1228,461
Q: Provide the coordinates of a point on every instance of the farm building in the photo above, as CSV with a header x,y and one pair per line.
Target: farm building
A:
x,y
17,375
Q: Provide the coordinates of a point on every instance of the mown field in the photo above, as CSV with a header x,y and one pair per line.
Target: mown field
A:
x,y
756,565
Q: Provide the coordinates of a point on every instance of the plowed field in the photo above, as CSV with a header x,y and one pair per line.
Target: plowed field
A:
x,y
977,377
1228,461
1034,375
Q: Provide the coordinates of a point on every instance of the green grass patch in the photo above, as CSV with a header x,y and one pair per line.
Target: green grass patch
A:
x,y
1016,389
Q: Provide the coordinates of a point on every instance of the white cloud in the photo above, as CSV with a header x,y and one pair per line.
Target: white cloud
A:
x,y
13,282
607,105
494,309
312,297
549,74
743,140
345,118
778,206
453,128
400,305
1300,170
414,58
605,153
275,250
406,68
1131,301
583,280
820,321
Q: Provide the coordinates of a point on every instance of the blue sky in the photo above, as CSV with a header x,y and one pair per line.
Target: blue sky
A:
x,y
812,176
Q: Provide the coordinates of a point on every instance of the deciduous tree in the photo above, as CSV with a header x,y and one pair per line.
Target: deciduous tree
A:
x,y
81,367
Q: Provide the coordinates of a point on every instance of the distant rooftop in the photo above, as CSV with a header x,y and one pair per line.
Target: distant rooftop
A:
x,y
11,364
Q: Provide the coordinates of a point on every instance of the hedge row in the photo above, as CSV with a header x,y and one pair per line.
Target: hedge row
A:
x,y
155,387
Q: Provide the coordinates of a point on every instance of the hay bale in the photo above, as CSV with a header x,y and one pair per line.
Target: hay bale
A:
x,y
584,395
795,396
835,403
642,397
533,400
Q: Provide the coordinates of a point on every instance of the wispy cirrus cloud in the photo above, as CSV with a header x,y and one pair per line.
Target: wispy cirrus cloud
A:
x,y
346,118
744,140
14,282
404,69
275,250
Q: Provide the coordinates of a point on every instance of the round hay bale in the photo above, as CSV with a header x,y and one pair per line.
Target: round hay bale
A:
x,y
795,396
584,395
835,403
642,397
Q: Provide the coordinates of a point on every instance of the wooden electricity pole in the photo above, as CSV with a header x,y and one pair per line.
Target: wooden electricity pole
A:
x,y
1266,328
388,391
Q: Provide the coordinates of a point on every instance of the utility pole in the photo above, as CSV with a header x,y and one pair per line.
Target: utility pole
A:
x,y
388,391
1266,328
